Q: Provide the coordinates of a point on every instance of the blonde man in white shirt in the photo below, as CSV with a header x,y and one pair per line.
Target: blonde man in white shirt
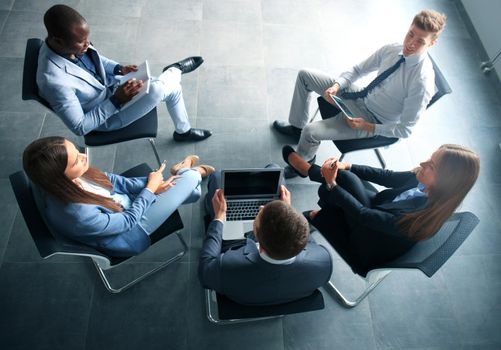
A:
x,y
390,107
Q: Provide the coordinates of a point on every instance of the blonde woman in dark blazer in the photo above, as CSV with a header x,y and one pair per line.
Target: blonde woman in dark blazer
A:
x,y
376,227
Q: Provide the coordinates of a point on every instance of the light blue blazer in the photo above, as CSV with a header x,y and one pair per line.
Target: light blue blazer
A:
x,y
79,99
114,233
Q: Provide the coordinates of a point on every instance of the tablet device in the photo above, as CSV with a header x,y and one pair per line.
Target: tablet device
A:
x,y
343,107
142,73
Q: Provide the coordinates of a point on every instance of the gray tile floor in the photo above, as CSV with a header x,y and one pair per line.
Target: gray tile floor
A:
x,y
253,50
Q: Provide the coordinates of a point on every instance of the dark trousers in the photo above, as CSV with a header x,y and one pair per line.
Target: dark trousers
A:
x,y
348,181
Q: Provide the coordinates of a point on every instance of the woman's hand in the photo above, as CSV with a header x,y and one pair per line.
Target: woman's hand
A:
x,y
329,170
155,179
165,185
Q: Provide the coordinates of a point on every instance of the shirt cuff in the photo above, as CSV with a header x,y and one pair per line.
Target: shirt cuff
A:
x,y
118,70
113,99
221,221
343,83
147,189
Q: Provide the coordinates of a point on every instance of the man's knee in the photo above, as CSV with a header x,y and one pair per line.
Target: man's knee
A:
x,y
309,133
302,75
156,92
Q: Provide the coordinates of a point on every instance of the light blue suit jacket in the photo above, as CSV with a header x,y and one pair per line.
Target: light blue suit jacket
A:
x,y
114,233
77,97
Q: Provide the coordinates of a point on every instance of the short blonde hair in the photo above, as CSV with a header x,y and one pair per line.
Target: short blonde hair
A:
x,y
430,21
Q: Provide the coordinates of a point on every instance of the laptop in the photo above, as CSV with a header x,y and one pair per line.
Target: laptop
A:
x,y
245,190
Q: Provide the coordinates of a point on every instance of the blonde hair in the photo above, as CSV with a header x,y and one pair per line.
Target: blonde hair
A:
x,y
457,170
430,21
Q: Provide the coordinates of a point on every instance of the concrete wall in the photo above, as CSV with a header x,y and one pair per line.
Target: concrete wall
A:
x,y
486,18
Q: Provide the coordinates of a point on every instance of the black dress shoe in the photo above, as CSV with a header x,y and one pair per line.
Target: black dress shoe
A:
x,y
187,65
287,129
192,135
290,171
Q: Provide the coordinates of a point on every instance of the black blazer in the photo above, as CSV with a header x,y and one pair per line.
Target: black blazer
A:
x,y
369,234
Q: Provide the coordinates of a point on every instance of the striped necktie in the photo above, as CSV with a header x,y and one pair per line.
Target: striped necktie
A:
x,y
364,92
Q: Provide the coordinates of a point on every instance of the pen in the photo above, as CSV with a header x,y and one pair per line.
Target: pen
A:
x,y
333,163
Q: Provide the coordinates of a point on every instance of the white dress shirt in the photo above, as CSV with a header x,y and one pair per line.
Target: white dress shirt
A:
x,y
119,198
399,101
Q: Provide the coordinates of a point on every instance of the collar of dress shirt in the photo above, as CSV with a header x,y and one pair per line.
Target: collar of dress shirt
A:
x,y
266,258
413,60
421,187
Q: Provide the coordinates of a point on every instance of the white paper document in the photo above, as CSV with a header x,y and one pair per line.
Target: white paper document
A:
x,y
142,73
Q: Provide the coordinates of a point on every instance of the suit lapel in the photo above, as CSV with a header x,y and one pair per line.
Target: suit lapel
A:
x,y
74,70
97,63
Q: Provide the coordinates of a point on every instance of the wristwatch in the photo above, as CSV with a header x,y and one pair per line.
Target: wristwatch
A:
x,y
330,186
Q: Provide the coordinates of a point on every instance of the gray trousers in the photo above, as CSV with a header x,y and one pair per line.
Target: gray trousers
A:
x,y
335,128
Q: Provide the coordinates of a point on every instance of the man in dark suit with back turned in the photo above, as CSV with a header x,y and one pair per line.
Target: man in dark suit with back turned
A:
x,y
278,264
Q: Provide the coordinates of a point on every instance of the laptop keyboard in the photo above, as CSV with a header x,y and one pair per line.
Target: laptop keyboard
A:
x,y
243,210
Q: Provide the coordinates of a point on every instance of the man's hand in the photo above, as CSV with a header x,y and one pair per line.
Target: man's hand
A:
x,y
128,69
285,195
124,93
219,204
155,179
331,91
360,123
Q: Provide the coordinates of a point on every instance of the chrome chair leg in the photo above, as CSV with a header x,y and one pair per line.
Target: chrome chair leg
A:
x,y
314,116
380,157
116,290
372,280
213,315
152,143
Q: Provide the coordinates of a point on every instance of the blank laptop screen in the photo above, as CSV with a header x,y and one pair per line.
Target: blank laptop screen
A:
x,y
251,183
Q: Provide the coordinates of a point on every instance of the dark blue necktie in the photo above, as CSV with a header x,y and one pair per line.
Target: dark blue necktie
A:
x,y
362,93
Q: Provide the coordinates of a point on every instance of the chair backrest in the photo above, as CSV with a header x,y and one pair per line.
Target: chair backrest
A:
x,y
441,84
30,88
429,255
230,310
45,242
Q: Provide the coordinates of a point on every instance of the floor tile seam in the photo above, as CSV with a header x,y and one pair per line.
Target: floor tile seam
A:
x,y
11,226
6,19
454,312
89,314
264,119
25,11
232,22
43,261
